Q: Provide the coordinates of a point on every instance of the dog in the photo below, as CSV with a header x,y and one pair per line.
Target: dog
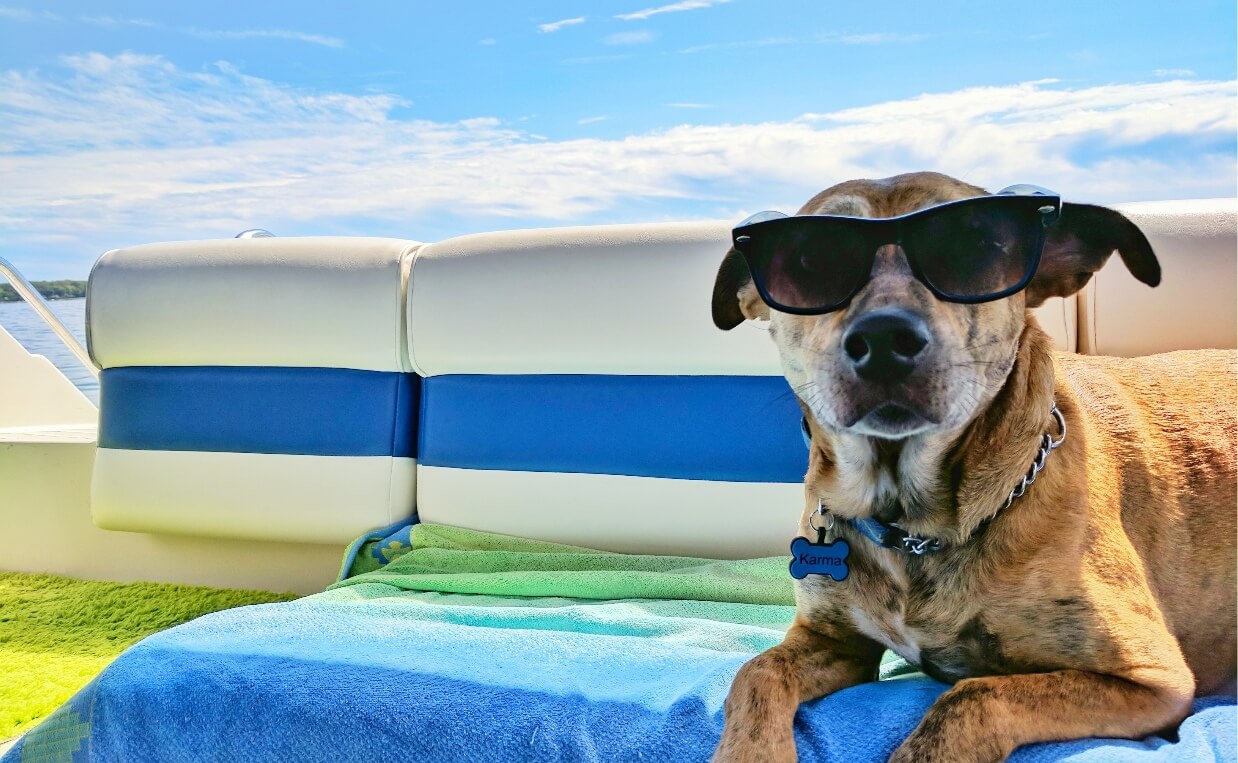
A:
x,y
1061,528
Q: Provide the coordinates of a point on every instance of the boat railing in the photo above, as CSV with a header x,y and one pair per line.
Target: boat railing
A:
x,y
32,297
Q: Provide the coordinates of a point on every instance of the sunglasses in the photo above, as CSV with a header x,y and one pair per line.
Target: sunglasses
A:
x,y
973,250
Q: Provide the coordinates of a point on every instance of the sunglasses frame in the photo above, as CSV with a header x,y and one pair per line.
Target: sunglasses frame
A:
x,y
1050,211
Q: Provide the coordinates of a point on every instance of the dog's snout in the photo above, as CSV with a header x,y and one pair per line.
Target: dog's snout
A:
x,y
883,345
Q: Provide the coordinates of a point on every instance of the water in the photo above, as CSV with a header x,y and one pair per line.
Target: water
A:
x,y
29,329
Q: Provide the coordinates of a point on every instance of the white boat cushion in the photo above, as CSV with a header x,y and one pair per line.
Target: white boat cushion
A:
x,y
257,496
254,388
630,299
1196,304
577,391
331,302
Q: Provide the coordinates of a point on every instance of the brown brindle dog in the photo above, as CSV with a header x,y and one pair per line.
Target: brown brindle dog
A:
x,y
1097,604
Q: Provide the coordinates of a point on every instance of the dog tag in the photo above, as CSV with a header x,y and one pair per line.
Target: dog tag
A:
x,y
820,558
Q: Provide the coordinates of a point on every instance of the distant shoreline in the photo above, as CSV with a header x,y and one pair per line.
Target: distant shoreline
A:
x,y
49,289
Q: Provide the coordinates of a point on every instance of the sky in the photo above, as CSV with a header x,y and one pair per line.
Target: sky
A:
x,y
124,123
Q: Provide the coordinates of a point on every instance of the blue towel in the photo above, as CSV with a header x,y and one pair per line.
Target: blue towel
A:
x,y
378,670
335,680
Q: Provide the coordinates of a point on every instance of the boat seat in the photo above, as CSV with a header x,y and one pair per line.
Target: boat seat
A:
x,y
562,384
253,388
576,390
1196,304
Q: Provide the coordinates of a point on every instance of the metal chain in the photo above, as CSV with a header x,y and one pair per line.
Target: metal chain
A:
x,y
920,546
917,545
1047,446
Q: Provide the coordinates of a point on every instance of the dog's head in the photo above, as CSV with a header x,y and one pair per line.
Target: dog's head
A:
x,y
896,360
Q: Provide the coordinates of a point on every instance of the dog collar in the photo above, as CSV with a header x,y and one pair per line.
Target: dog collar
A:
x,y
894,537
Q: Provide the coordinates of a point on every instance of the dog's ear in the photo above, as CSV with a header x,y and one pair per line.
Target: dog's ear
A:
x,y
1080,242
735,295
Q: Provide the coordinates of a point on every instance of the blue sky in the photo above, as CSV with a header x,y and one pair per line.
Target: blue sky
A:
x,y
126,123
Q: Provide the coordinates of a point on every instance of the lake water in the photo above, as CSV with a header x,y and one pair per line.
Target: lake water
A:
x,y
29,329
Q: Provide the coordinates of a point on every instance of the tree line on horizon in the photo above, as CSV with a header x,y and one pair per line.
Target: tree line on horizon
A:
x,y
64,289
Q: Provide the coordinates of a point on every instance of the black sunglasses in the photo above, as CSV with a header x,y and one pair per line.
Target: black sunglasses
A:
x,y
974,250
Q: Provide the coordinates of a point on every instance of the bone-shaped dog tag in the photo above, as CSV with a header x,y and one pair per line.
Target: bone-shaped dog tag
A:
x,y
808,558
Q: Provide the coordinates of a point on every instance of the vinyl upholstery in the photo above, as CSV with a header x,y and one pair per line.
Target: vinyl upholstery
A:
x,y
577,391
254,388
1196,304
563,384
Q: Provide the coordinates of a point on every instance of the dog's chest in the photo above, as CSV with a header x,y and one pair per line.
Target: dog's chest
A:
x,y
883,607
927,621
890,629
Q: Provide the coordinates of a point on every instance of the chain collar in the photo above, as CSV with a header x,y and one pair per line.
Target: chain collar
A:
x,y
920,546
1047,446
894,537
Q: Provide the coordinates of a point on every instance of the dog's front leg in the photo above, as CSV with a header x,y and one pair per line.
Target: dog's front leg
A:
x,y
760,708
982,720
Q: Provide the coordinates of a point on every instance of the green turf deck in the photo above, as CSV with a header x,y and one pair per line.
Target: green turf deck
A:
x,y
57,633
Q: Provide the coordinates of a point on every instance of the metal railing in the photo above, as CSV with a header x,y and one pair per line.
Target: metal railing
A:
x,y
32,297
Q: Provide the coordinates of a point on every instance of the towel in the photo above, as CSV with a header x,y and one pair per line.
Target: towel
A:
x,y
456,560
454,651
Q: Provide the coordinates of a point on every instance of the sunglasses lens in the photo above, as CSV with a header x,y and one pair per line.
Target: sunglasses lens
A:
x,y
806,264
977,249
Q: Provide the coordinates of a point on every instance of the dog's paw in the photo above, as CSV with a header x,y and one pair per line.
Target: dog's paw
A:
x,y
957,728
753,755
733,750
927,747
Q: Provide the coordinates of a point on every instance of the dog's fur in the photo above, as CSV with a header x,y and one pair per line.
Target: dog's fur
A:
x,y
1098,604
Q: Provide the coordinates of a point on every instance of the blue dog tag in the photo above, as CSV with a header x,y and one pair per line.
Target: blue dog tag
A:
x,y
808,558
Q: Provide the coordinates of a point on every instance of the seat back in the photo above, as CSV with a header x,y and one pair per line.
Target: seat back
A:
x,y
576,390
1196,304
253,388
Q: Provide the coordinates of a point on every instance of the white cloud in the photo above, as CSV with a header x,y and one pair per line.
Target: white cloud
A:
x,y
831,38
871,38
628,38
479,122
276,34
26,15
686,5
112,150
112,21
591,120
1174,72
555,26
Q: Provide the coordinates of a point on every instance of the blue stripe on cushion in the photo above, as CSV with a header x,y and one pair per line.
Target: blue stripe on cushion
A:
x,y
244,409
731,428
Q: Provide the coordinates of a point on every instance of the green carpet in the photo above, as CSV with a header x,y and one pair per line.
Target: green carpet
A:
x,y
57,633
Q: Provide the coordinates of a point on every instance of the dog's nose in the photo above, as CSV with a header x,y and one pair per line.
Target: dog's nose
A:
x,y
883,345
